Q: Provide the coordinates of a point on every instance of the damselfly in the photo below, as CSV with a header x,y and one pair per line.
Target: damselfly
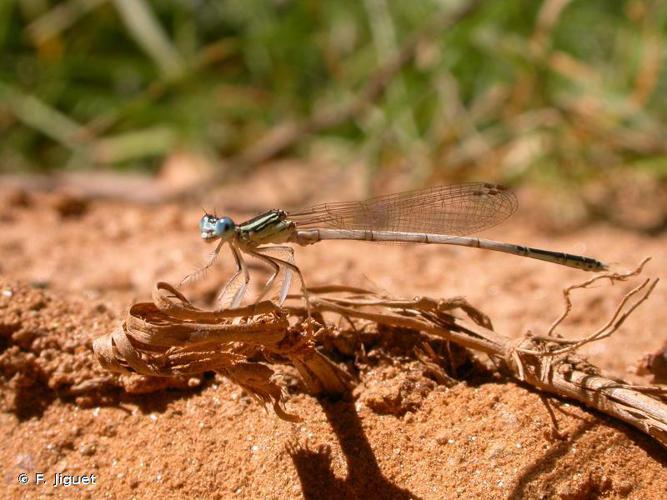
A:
x,y
441,214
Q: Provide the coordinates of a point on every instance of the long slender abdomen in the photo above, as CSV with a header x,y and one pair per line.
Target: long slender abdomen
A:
x,y
309,236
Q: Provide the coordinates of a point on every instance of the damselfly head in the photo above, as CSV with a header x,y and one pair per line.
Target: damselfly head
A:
x,y
212,228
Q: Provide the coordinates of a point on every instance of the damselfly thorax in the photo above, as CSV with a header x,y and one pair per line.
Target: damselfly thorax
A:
x,y
269,227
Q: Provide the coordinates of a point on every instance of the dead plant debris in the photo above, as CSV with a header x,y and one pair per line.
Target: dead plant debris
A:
x,y
171,337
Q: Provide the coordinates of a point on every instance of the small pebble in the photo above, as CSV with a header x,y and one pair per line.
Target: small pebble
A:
x,y
87,449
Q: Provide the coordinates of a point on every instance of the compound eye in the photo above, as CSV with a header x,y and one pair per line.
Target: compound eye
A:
x,y
224,225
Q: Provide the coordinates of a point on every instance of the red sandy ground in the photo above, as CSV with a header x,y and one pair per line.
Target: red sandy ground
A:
x,y
69,271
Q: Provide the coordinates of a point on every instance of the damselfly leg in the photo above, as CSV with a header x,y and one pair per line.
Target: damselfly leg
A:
x,y
201,272
288,266
233,292
281,252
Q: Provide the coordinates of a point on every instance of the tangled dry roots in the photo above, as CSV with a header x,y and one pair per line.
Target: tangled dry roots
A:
x,y
171,337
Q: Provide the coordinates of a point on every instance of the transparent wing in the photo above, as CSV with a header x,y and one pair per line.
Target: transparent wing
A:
x,y
457,210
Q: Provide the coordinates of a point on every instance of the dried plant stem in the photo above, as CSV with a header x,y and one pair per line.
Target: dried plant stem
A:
x,y
170,336
611,277
576,379
550,369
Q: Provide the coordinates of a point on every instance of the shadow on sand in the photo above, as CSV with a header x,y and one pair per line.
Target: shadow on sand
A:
x,y
364,477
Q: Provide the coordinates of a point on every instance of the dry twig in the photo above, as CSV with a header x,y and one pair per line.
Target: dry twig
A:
x,y
172,337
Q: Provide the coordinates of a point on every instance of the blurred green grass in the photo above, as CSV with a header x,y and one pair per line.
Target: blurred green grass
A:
x,y
554,89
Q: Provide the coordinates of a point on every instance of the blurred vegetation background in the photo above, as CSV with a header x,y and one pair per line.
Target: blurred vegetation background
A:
x,y
510,89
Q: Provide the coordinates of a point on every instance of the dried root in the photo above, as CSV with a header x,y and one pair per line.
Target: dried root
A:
x,y
170,336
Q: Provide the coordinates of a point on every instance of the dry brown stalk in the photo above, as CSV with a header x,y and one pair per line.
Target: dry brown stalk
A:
x,y
616,319
170,336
